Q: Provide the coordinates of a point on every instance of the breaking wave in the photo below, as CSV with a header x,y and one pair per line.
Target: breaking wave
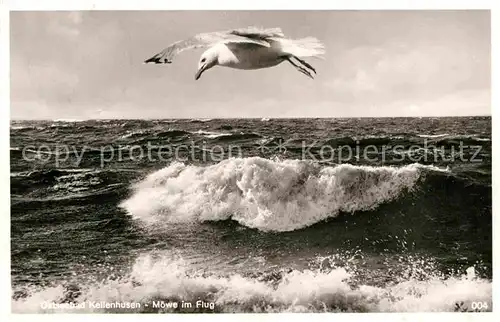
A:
x,y
265,194
169,280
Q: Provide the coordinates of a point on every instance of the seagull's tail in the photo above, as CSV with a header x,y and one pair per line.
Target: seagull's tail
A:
x,y
305,47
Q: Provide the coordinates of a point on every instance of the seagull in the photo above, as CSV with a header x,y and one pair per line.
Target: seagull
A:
x,y
246,48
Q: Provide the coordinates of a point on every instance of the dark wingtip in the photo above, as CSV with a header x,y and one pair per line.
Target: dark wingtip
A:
x,y
157,60
152,60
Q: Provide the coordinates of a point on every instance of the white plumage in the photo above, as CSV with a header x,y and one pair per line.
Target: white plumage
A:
x,y
248,48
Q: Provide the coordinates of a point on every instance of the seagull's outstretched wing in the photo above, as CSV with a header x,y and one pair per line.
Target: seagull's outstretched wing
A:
x,y
258,33
305,47
251,35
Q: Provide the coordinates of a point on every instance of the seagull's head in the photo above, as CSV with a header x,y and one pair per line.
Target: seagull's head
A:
x,y
208,60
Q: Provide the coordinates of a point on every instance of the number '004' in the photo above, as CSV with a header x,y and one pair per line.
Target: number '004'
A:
x,y
479,305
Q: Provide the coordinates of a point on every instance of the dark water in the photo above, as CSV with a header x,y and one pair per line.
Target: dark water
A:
x,y
317,215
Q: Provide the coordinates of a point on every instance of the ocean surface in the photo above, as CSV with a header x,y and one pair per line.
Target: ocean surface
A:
x,y
251,215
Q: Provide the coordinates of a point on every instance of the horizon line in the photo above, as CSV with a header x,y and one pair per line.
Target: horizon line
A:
x,y
240,118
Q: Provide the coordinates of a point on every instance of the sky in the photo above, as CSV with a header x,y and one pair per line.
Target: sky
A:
x,y
89,65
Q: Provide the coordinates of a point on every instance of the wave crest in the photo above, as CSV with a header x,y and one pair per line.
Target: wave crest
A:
x,y
265,194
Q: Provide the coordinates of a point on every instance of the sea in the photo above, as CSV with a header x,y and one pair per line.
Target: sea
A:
x,y
251,215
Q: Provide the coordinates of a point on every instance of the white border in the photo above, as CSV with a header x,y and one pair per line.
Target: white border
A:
x,y
495,72
5,300
244,5
47,5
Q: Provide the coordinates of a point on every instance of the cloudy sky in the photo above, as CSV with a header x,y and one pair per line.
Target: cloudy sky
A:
x,y
88,64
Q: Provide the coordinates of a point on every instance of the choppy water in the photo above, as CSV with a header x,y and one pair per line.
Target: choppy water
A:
x,y
105,211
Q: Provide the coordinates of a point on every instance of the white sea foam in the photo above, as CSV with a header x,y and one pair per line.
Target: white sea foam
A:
x,y
211,135
432,135
134,133
20,127
458,137
77,182
265,194
168,279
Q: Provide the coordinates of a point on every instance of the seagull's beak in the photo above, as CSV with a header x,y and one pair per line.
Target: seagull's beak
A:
x,y
200,71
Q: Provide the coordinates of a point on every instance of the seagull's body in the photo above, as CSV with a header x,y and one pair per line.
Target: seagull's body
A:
x,y
246,55
249,48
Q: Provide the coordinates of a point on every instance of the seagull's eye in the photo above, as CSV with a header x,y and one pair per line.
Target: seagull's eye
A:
x,y
203,60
